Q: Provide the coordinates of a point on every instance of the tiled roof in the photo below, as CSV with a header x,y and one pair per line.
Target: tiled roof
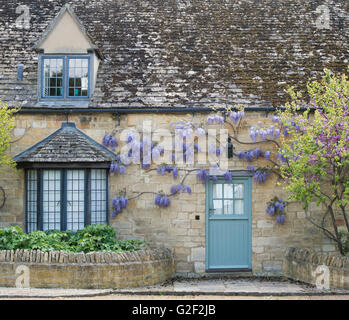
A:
x,y
66,145
176,53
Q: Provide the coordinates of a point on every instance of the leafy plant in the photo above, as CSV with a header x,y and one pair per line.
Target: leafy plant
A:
x,y
7,124
316,152
91,238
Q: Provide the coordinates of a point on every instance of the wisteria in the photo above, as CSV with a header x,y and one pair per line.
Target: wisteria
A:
x,y
251,154
264,133
228,176
119,203
236,116
180,188
143,150
261,175
162,200
215,119
277,207
116,168
110,142
280,219
282,157
203,175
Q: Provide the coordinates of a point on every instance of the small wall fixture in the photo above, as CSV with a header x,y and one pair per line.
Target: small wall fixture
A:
x,y
230,149
20,69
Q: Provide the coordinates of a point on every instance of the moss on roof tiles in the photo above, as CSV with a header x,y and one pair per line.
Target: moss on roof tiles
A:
x,y
172,52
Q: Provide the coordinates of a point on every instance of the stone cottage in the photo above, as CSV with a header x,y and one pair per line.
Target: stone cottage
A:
x,y
82,69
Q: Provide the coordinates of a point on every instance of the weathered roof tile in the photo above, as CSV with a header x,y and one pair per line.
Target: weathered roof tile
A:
x,y
66,145
161,53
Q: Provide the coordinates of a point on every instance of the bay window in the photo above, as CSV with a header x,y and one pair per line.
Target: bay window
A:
x,y
65,199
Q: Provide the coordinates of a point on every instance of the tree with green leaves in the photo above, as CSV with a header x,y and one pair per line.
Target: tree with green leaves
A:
x,y
7,123
316,153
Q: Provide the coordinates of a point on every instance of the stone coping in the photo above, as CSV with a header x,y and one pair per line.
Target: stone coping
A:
x,y
325,270
318,258
94,270
61,257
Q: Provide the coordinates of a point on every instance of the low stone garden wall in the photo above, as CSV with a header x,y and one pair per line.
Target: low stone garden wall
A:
x,y
325,270
95,270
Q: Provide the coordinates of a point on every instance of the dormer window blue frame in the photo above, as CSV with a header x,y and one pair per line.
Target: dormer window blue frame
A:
x,y
65,77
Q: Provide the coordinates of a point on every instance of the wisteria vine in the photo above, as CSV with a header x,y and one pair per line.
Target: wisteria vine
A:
x,y
143,150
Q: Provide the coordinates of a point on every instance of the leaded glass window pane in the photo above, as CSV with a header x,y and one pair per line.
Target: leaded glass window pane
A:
x,y
51,198
53,77
98,196
75,199
78,77
32,200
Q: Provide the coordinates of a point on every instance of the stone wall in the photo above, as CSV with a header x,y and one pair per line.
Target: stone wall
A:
x,y
87,271
317,268
175,227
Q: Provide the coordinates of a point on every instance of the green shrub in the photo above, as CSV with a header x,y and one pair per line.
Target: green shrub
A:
x,y
13,238
91,238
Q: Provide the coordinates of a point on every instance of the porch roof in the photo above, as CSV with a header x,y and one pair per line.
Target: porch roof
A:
x,y
67,145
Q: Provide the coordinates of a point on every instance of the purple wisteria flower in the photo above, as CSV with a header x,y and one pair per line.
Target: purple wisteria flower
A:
x,y
116,168
119,203
251,169
261,175
277,207
236,116
216,119
110,142
228,176
280,219
270,210
180,188
203,175
162,200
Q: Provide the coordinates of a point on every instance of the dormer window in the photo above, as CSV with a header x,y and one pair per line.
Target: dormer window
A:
x,y
68,62
66,77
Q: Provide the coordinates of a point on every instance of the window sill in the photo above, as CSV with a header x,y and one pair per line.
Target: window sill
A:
x,y
63,103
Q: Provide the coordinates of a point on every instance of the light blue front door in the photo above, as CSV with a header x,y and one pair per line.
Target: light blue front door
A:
x,y
228,224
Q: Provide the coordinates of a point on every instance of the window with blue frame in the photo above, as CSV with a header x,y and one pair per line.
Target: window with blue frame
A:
x,y
65,77
65,199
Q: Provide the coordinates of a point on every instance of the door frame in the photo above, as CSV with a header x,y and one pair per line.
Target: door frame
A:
x,y
241,175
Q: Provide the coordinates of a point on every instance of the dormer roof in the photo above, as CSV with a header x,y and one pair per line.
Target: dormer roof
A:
x,y
51,27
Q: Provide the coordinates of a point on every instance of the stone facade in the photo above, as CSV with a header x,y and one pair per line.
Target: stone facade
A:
x,y
94,270
162,54
322,269
176,226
